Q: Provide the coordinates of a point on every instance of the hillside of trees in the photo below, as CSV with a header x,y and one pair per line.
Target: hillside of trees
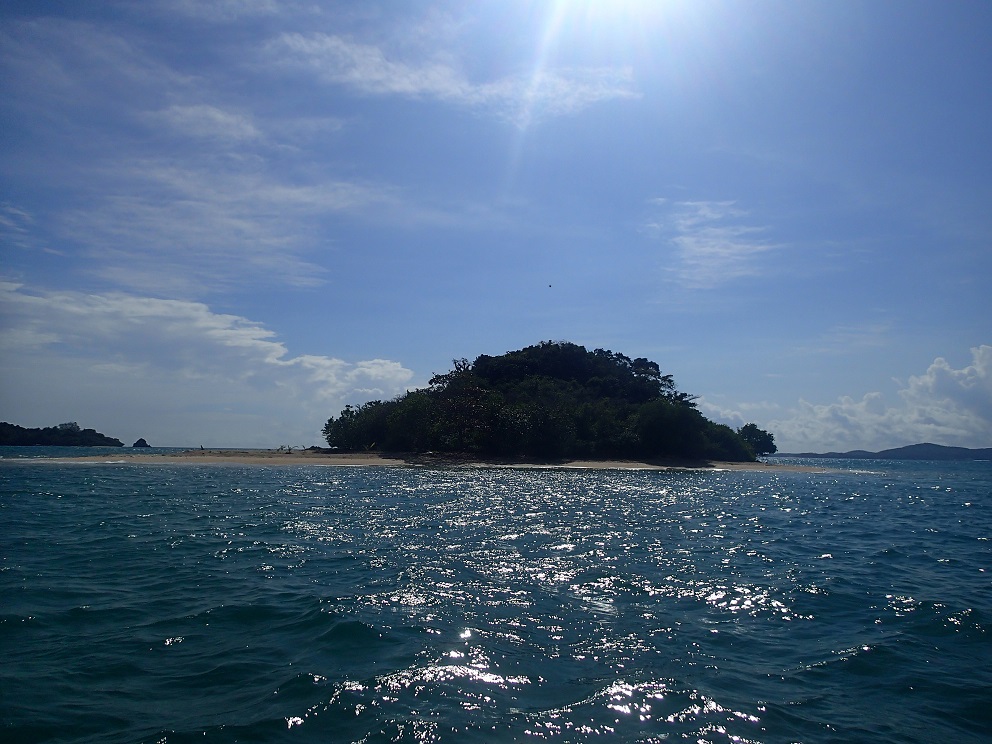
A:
x,y
552,401
64,435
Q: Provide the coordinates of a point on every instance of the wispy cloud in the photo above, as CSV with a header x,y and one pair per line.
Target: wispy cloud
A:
x,y
15,225
846,339
711,242
225,10
369,69
54,65
201,227
205,121
122,346
200,194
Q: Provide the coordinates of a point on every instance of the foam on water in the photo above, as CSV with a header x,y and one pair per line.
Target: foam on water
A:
x,y
179,603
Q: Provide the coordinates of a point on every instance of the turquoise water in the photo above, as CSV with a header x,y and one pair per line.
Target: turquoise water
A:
x,y
180,603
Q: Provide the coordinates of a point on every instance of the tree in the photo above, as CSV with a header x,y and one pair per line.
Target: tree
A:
x,y
726,444
552,400
68,434
357,428
759,440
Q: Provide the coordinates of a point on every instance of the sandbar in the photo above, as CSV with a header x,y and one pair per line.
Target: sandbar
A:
x,y
374,459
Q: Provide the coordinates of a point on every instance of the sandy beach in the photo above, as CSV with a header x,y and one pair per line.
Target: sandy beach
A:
x,y
373,459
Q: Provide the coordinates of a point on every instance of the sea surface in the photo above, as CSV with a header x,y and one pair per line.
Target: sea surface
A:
x,y
225,603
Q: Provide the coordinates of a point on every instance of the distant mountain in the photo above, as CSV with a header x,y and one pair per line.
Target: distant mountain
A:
x,y
924,451
63,435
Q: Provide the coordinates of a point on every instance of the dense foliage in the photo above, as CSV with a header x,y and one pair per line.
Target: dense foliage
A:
x,y
761,442
550,401
64,435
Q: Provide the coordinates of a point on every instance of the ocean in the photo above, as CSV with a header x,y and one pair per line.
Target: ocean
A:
x,y
227,603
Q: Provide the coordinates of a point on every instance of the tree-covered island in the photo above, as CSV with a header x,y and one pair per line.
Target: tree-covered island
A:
x,y
68,434
552,401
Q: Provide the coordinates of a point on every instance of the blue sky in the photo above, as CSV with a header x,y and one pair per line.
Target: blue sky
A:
x,y
222,220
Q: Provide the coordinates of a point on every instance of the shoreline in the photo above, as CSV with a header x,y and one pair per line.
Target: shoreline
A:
x,y
374,459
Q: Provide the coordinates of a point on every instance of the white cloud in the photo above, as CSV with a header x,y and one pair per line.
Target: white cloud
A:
x,y
176,370
521,99
734,415
712,243
944,405
960,398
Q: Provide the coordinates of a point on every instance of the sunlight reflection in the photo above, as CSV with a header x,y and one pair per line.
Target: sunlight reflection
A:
x,y
420,679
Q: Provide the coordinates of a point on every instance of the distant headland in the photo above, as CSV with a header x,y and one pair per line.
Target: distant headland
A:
x,y
924,451
64,435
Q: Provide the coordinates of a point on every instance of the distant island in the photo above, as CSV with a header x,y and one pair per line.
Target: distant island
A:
x,y
552,401
925,451
64,435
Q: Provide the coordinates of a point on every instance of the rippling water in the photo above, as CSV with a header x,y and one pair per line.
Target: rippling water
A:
x,y
176,603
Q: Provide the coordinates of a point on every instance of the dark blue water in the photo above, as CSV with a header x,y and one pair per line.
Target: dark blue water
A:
x,y
181,603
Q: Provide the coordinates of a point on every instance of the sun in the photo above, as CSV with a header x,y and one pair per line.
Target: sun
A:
x,y
611,26
616,11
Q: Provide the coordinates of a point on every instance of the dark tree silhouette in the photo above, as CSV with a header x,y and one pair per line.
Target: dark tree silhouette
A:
x,y
759,440
551,401
68,434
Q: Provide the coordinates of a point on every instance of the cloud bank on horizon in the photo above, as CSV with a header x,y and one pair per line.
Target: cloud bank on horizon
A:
x,y
942,405
222,221
172,362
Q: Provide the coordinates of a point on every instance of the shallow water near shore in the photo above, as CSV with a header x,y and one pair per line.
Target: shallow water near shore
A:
x,y
194,602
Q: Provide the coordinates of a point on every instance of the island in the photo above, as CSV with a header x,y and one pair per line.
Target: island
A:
x,y
68,434
923,451
554,401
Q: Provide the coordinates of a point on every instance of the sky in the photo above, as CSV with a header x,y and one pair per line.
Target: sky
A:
x,y
221,221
